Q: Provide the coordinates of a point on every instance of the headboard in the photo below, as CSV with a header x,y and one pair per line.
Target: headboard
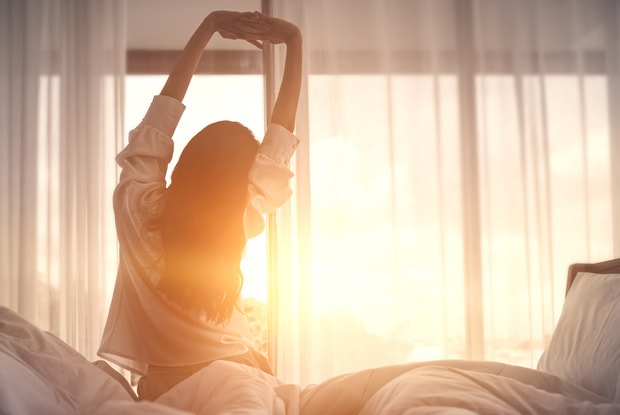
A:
x,y
611,266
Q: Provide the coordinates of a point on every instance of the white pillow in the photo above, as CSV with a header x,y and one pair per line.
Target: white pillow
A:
x,y
42,374
585,345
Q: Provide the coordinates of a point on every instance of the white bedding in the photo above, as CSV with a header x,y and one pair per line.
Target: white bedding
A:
x,y
41,374
443,387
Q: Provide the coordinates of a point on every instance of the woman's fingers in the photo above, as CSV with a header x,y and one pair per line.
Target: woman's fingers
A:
x,y
252,27
249,38
229,35
257,28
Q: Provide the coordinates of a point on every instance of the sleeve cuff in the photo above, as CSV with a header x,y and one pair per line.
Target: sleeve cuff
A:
x,y
164,114
279,144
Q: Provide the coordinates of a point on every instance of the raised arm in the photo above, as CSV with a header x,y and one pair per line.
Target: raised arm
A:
x,y
253,27
285,107
225,22
261,27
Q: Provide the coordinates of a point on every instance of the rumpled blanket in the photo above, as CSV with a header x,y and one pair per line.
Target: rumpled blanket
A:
x,y
39,374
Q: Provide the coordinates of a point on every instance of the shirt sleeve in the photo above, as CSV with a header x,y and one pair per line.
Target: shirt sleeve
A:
x,y
269,178
145,159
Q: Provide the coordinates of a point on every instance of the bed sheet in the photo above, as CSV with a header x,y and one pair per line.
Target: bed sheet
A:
x,y
41,374
441,387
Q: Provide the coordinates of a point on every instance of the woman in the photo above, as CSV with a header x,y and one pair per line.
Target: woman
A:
x,y
175,304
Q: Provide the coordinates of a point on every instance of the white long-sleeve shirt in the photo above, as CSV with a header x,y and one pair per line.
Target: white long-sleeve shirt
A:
x,y
143,327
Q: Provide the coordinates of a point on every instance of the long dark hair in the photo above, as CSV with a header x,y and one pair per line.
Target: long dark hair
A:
x,y
201,220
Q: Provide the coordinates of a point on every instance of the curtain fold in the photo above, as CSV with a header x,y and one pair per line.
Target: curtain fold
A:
x,y
459,157
61,67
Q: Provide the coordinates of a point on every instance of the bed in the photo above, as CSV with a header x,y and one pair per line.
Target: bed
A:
x,y
578,373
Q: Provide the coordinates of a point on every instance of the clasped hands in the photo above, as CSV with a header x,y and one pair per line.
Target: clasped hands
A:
x,y
254,27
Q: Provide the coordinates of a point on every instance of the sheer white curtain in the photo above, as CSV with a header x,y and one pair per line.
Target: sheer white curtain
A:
x,y
61,77
458,155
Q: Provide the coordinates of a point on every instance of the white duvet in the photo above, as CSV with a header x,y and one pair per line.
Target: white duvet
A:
x,y
39,374
446,387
